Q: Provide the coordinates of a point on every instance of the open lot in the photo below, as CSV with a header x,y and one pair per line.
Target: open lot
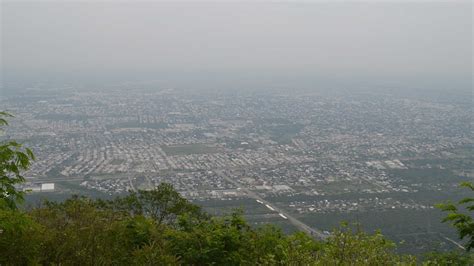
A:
x,y
185,149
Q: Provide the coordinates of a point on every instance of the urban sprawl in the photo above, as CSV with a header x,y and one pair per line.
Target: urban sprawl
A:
x,y
310,148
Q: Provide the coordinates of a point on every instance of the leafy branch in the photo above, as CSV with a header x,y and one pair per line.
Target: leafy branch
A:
x,y
14,159
462,221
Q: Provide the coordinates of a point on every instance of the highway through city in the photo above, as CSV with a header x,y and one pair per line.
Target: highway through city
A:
x,y
297,223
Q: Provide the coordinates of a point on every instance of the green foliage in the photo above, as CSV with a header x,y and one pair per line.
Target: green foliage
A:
x,y
230,240
459,217
3,120
352,246
217,241
14,159
449,258
163,204
20,238
81,231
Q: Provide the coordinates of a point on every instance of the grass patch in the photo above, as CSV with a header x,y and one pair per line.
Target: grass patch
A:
x,y
430,175
186,149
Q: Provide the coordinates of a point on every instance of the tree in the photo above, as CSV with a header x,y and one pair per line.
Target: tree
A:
x,y
81,231
448,258
227,240
14,159
302,249
348,246
163,204
20,238
458,217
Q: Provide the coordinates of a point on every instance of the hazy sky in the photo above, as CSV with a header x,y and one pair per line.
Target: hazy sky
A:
x,y
358,40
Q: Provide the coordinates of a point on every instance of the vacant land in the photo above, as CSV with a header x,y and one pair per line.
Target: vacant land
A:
x,y
184,149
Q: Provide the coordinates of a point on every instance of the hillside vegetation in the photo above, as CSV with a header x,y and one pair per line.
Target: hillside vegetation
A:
x,y
159,227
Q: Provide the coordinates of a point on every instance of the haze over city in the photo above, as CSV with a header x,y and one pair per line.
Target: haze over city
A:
x,y
300,114
240,44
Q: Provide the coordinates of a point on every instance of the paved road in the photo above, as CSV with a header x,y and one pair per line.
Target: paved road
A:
x,y
54,179
297,223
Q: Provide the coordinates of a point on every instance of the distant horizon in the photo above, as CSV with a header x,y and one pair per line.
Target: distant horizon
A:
x,y
404,45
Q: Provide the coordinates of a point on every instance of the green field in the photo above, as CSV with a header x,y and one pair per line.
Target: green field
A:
x,y
426,176
184,149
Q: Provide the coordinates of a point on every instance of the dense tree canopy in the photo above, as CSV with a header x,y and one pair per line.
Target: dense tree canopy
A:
x,y
84,231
